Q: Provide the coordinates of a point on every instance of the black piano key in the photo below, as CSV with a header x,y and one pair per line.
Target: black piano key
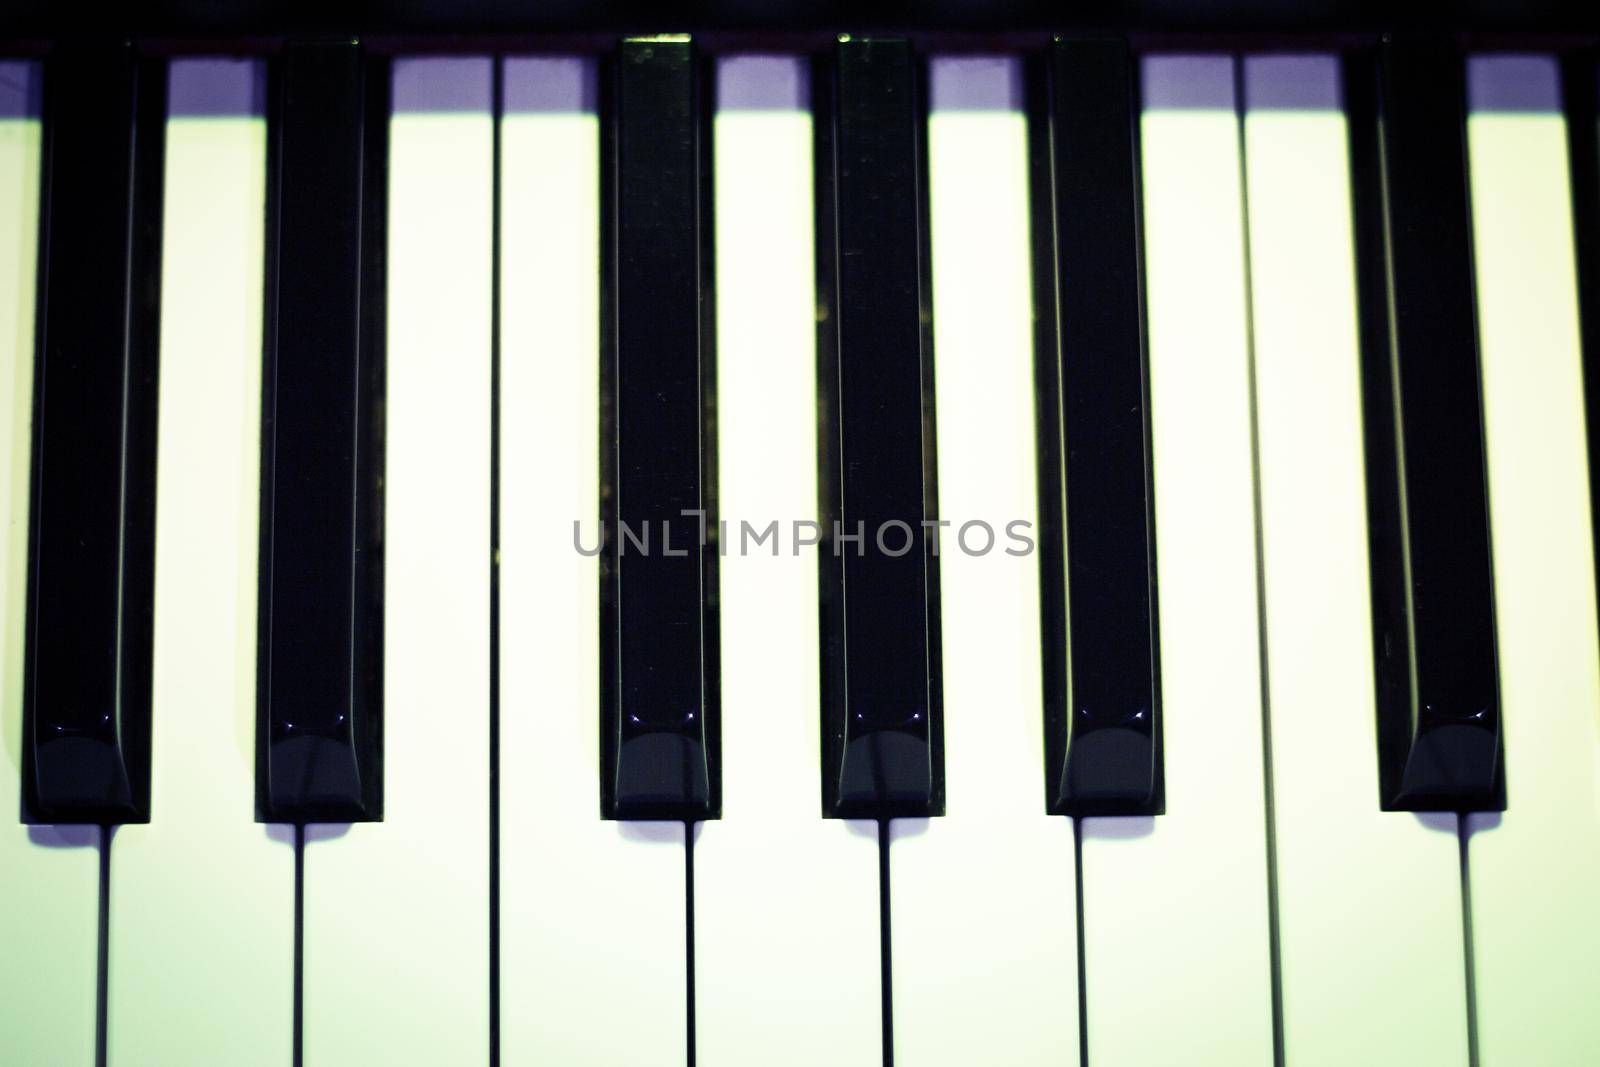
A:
x,y
1097,548
1438,702
319,754
881,695
86,719
1580,88
659,638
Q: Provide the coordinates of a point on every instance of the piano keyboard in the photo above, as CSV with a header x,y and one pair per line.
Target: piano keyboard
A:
x,y
1122,587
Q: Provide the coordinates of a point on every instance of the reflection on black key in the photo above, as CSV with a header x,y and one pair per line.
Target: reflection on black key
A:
x,y
86,722
658,624
1432,588
320,704
1580,85
1097,553
882,723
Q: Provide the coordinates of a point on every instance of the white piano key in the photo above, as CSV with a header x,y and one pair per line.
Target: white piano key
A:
x,y
1356,885
1535,871
983,900
396,922
49,875
592,913
202,897
786,903
1175,907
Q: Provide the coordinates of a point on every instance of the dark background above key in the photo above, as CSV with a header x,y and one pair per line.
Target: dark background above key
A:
x,y
196,19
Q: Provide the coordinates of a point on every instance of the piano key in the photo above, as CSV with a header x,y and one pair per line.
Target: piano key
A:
x,y
1580,87
396,919
984,900
1348,874
658,467
1535,869
1102,704
321,707
86,725
592,913
882,727
49,875
201,896
1432,597
1192,983
786,904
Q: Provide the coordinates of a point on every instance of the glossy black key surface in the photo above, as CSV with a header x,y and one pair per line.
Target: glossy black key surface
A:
x,y
319,753
1097,549
1580,87
881,697
659,643
86,719
1438,702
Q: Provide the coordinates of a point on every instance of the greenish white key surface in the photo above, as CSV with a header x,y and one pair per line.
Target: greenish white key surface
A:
x,y
397,912
1536,869
984,899
592,913
1175,907
49,876
1369,902
786,902
202,897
